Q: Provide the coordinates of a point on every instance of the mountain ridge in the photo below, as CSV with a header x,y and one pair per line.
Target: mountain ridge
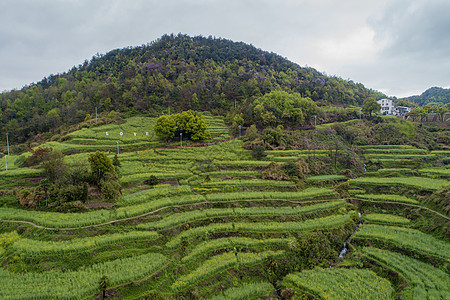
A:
x,y
433,94
179,71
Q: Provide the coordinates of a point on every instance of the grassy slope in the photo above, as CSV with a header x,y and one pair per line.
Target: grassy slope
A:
x,y
199,170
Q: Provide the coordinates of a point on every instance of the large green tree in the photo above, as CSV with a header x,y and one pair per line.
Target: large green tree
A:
x,y
100,165
190,124
282,108
370,106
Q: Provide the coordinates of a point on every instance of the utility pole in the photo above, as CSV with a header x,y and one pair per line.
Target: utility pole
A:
x,y
6,162
7,141
239,130
360,111
96,115
117,147
181,139
234,104
315,121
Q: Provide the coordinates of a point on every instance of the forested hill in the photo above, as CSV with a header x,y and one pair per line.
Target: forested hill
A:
x,y
176,70
434,94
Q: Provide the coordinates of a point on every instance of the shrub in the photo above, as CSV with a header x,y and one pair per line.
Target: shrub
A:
x,y
101,165
152,180
110,187
291,169
258,151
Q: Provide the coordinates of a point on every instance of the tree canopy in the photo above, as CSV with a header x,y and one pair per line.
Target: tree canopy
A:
x,y
101,165
178,71
190,124
279,107
370,106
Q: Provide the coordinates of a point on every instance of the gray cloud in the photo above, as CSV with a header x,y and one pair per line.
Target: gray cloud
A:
x,y
391,45
416,44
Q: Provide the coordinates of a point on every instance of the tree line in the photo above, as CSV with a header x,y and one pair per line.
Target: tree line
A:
x,y
174,71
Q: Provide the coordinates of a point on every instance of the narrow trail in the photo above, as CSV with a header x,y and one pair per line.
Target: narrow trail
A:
x,y
132,282
151,212
209,202
406,204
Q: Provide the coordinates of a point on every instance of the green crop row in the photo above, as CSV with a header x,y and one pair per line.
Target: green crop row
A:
x,y
387,198
220,263
77,284
395,170
294,152
281,158
159,175
405,237
305,194
395,151
416,182
386,219
142,126
21,172
427,281
398,156
150,194
341,284
73,220
242,163
232,173
441,152
261,227
436,171
35,247
248,291
206,247
137,167
327,177
388,147
248,183
191,216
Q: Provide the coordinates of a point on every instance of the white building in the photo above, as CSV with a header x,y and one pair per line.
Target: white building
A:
x,y
388,108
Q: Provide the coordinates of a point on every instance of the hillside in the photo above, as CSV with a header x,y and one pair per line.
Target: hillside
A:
x,y
434,94
179,71
351,210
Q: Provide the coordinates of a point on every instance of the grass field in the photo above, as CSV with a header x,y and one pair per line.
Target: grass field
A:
x,y
214,227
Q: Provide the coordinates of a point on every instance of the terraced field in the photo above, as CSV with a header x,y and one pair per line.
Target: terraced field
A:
x,y
216,229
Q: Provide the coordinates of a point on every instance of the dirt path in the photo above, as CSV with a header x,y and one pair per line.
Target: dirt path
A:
x,y
149,213
406,204
208,202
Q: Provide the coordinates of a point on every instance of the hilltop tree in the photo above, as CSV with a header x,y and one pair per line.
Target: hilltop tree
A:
x,y
370,106
165,127
190,124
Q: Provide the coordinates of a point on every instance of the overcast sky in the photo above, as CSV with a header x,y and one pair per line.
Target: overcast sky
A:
x,y
399,47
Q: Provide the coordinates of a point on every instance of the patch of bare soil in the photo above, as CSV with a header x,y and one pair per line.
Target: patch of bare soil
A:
x,y
171,182
98,204
34,179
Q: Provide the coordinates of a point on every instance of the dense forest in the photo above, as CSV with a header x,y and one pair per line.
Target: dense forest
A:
x,y
174,71
430,96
